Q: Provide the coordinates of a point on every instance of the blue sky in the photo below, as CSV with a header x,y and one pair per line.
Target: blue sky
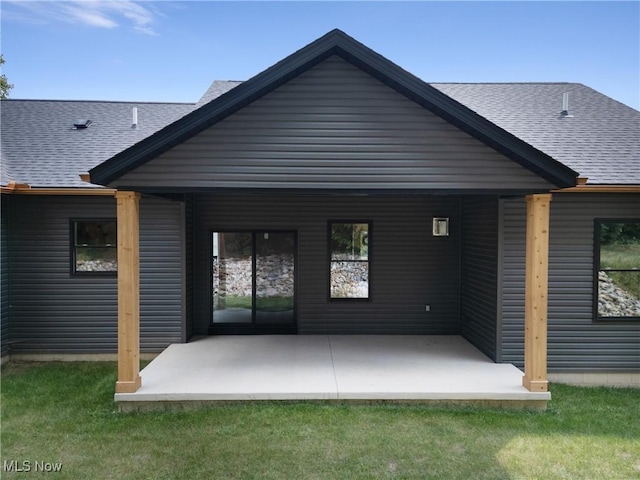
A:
x,y
171,51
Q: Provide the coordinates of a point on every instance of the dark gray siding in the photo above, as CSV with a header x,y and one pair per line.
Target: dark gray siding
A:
x,y
333,126
478,315
576,342
409,267
161,273
189,222
5,336
53,311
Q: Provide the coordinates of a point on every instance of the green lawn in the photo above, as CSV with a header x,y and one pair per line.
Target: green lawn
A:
x,y
623,256
65,413
620,256
266,304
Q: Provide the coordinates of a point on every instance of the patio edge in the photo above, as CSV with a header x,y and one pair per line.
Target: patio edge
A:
x,y
142,406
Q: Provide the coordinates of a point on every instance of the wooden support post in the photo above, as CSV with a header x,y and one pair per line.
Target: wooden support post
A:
x,y
536,291
128,292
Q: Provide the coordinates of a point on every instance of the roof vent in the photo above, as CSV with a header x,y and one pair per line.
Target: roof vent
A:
x,y
81,124
564,113
134,119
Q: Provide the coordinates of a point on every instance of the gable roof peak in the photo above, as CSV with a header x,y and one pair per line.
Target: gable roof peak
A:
x,y
335,42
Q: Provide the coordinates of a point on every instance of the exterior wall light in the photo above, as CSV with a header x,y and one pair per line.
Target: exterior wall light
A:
x,y
440,226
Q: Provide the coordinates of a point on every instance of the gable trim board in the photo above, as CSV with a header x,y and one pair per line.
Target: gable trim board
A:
x,y
602,189
355,53
109,192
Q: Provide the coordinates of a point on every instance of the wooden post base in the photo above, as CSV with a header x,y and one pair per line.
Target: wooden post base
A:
x,y
128,387
535,385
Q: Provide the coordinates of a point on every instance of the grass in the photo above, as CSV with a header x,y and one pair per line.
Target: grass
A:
x,y
65,413
266,304
618,256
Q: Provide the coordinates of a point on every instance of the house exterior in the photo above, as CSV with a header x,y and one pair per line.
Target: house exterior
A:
x,y
333,193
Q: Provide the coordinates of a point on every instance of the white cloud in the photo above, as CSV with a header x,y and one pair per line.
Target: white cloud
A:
x,y
78,13
91,13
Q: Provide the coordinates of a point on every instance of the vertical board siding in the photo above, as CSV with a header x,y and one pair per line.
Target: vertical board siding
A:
x,y
53,311
576,343
5,334
333,127
478,316
409,267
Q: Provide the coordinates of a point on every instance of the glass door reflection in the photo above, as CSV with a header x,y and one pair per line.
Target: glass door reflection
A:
x,y
275,277
232,277
253,282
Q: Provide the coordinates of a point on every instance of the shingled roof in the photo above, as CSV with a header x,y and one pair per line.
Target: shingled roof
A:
x,y
600,138
41,147
217,88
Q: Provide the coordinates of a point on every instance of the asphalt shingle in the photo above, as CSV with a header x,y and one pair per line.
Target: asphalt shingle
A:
x,y
43,148
216,89
600,140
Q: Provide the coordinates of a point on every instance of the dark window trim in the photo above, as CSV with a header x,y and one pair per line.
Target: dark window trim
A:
x,y
329,261
596,268
72,247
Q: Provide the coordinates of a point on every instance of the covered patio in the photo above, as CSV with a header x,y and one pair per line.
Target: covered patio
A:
x,y
427,369
304,154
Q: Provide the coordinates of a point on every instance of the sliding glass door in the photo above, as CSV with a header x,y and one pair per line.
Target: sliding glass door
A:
x,y
232,277
253,280
275,278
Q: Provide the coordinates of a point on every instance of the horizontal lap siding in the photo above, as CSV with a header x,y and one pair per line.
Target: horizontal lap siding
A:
x,y
161,273
53,311
409,267
189,264
480,272
336,127
576,342
5,334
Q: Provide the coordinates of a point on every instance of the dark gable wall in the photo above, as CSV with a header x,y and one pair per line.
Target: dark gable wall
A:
x,y
409,267
55,312
576,342
333,126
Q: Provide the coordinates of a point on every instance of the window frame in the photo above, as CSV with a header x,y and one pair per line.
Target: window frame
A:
x,y
598,222
73,248
368,261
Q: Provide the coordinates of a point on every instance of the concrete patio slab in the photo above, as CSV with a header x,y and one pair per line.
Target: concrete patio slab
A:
x,y
321,367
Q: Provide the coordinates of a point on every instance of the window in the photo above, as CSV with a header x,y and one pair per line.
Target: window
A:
x,y
617,264
349,259
94,247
